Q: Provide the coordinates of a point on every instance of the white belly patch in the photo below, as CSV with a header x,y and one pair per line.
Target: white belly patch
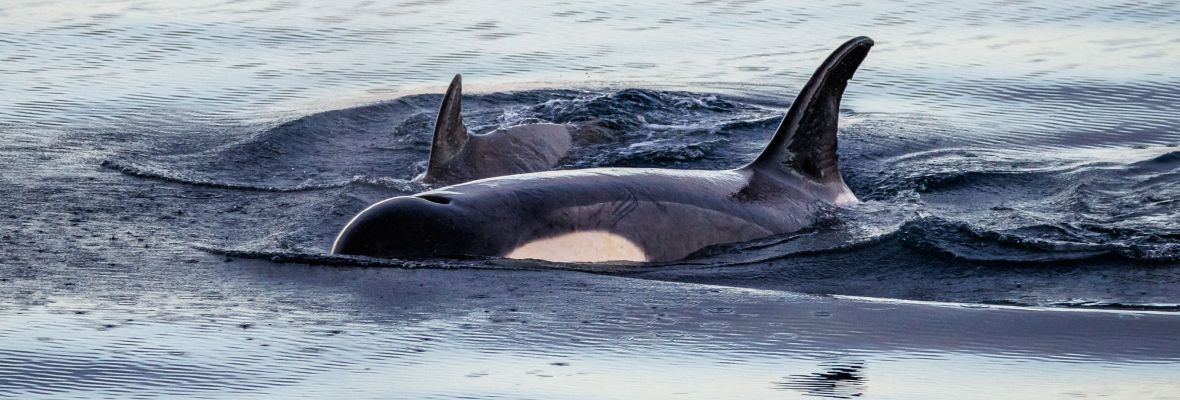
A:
x,y
588,246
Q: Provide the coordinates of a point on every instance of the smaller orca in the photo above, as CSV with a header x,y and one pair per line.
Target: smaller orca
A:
x,y
457,156
629,214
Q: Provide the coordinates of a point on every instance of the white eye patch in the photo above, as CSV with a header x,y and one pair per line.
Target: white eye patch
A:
x,y
588,246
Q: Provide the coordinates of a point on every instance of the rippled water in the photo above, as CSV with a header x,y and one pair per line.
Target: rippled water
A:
x,y
173,176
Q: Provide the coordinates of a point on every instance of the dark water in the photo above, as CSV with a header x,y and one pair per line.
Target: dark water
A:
x,y
945,217
174,174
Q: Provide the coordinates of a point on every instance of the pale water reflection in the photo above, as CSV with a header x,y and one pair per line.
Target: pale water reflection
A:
x,y
173,174
523,336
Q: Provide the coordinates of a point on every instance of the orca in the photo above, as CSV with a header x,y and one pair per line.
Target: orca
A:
x,y
629,214
458,156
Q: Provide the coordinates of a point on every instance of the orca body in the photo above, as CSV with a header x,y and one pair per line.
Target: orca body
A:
x,y
629,214
458,156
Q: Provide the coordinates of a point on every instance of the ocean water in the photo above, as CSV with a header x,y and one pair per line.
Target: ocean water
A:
x,y
174,173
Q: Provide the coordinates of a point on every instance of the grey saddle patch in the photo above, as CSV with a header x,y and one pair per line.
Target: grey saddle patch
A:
x,y
457,156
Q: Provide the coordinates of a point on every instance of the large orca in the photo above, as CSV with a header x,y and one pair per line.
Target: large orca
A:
x,y
629,214
457,156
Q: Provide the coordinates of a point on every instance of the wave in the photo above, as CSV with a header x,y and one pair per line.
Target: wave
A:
x,y
941,220
1031,245
145,171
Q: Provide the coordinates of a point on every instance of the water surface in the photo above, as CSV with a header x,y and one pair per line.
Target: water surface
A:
x,y
174,174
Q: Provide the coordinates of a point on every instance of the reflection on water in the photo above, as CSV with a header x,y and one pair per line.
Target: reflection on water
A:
x,y
98,63
838,381
435,334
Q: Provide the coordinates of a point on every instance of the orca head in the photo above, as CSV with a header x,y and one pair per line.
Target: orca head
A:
x,y
427,225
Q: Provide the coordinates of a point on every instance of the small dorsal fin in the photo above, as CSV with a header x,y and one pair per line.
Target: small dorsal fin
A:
x,y
449,132
806,140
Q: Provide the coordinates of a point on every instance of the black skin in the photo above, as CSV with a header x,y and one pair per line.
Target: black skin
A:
x,y
457,156
651,208
667,213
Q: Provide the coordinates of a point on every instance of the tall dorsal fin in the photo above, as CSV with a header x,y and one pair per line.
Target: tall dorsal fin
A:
x,y
806,140
449,132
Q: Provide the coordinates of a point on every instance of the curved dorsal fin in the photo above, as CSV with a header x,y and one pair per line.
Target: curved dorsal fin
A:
x,y
449,132
806,140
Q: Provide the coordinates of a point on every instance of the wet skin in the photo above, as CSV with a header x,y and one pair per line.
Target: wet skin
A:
x,y
621,214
